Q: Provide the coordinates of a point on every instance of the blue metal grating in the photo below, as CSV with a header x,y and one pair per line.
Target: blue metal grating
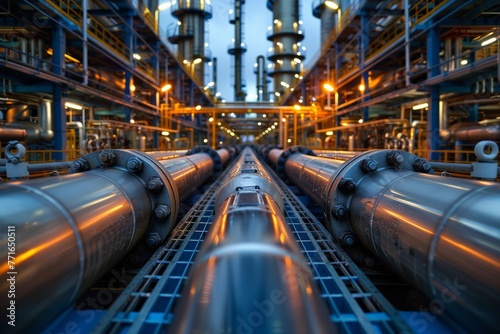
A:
x,y
148,302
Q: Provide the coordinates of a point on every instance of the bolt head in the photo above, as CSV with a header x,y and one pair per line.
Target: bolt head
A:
x,y
339,211
369,165
135,165
155,184
347,186
395,158
162,211
348,239
107,157
153,239
422,165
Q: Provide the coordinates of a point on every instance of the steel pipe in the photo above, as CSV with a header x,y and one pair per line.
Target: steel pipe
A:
x,y
71,229
249,275
440,234
8,133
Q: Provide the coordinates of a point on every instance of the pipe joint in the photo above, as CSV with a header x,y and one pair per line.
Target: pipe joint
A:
x,y
218,165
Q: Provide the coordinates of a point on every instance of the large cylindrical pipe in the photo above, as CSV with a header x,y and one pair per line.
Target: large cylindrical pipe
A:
x,y
8,133
250,275
71,229
441,234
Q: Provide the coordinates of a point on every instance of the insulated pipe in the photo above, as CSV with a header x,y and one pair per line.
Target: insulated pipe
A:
x,y
8,133
249,275
441,234
72,229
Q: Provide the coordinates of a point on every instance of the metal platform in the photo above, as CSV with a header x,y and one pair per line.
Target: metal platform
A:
x,y
147,304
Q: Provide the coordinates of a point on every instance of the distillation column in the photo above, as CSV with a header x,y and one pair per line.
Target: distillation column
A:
x,y
261,79
249,275
441,234
286,34
72,229
190,34
238,49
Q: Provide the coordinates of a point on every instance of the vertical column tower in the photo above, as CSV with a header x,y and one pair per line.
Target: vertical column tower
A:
x,y
189,34
286,33
237,49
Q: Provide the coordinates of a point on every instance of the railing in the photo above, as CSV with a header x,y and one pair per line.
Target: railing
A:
x,y
418,12
149,18
71,9
452,156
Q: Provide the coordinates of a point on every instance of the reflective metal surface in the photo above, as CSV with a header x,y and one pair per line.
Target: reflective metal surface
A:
x,y
69,231
189,172
313,174
249,276
165,155
441,234
74,228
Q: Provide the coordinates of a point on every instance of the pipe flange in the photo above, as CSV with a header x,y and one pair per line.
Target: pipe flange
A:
x,y
154,177
348,176
211,152
280,166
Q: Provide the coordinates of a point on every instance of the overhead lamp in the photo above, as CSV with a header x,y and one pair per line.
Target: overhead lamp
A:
x,y
328,87
360,120
489,41
329,133
420,106
197,61
137,56
362,88
166,87
73,105
165,133
331,4
165,5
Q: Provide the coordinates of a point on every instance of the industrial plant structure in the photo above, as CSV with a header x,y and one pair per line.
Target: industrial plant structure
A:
x,y
358,194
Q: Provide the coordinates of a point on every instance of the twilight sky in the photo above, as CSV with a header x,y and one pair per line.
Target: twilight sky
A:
x,y
256,19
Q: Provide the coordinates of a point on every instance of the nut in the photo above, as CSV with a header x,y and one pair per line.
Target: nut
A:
x,y
347,239
153,239
395,158
107,157
369,165
135,165
421,165
162,211
155,184
339,211
347,186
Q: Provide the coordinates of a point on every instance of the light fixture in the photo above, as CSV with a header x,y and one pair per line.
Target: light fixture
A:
x,y
137,56
73,106
328,87
489,41
197,61
362,88
331,4
165,5
360,120
420,106
165,133
329,133
211,119
166,87
198,107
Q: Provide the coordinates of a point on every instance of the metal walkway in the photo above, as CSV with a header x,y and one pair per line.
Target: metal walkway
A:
x,y
147,304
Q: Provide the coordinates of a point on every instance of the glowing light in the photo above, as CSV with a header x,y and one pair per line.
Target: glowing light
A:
x,y
328,87
73,106
488,41
360,120
420,106
331,4
283,119
165,5
198,107
211,119
329,133
362,88
197,61
137,56
165,133
166,87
